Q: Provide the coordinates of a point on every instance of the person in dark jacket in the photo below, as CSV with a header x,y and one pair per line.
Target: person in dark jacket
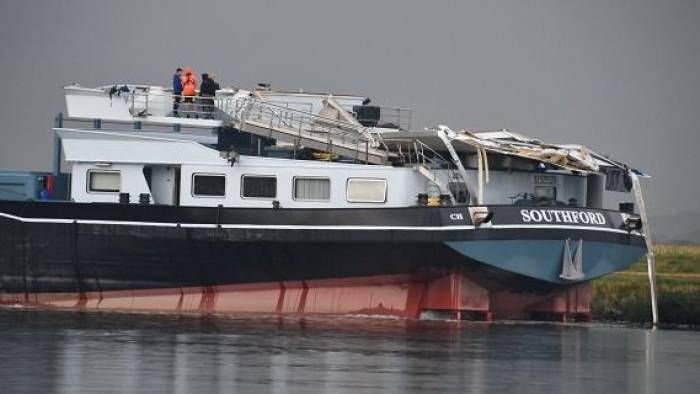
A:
x,y
216,84
206,90
177,89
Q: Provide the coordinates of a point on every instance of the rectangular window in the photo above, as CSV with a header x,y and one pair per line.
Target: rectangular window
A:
x,y
548,193
259,186
104,181
209,185
366,190
314,189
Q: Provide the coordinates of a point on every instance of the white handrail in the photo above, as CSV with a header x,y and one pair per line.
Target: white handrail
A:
x,y
251,109
651,261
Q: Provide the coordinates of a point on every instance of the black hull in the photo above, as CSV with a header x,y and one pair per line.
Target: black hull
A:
x,y
46,258
82,248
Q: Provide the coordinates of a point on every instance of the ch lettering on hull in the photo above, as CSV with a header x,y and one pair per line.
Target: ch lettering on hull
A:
x,y
456,216
561,216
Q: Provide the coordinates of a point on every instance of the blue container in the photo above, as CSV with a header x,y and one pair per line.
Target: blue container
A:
x,y
33,186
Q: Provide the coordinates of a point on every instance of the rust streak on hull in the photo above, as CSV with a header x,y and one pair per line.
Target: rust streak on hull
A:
x,y
453,295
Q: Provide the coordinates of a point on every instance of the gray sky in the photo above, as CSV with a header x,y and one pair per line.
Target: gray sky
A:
x,y
622,77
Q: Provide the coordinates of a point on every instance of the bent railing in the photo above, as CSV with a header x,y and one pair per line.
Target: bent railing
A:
x,y
249,109
264,118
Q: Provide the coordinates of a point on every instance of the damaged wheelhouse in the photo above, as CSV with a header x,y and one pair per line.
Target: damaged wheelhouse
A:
x,y
311,203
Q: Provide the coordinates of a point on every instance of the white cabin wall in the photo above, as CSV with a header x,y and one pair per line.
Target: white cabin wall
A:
x,y
95,104
596,188
131,178
612,200
504,184
163,184
403,184
572,186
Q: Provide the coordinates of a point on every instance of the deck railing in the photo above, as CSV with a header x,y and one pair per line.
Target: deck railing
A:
x,y
294,121
273,119
237,110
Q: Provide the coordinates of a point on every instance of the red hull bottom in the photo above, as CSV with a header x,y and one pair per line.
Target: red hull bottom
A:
x,y
451,296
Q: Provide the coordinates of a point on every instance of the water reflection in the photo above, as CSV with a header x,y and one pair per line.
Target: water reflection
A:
x,y
79,352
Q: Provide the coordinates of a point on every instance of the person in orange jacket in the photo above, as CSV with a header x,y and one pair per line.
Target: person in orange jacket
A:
x,y
189,87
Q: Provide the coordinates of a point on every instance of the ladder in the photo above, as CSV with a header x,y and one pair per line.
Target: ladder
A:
x,y
430,175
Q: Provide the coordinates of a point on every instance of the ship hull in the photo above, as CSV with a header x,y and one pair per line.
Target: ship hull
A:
x,y
399,262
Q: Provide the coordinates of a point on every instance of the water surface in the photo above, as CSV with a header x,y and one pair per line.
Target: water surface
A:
x,y
45,352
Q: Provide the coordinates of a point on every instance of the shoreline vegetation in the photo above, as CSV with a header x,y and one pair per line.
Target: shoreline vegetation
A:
x,y
625,296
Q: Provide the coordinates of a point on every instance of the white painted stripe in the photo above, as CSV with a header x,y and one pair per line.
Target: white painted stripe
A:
x,y
347,227
240,226
563,227
315,227
129,223
86,221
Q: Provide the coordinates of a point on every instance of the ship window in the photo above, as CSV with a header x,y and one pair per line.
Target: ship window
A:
x,y
209,185
259,186
548,193
366,190
104,181
314,189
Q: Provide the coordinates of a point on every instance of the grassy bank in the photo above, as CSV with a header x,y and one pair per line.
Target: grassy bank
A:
x,y
625,295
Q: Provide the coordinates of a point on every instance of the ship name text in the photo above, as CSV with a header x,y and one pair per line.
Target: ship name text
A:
x,y
561,216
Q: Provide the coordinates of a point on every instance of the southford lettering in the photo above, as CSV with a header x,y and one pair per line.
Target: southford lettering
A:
x,y
561,216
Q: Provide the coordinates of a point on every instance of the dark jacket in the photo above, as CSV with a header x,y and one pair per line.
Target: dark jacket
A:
x,y
208,88
177,84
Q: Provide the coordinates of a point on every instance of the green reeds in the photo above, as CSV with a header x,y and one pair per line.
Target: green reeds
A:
x,y
625,295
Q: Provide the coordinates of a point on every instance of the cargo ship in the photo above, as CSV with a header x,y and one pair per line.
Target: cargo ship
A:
x,y
277,202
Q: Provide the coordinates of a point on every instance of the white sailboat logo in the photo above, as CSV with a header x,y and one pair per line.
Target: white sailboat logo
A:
x,y
572,268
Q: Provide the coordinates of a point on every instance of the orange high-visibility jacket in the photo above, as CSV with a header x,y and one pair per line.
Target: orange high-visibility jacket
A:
x,y
189,82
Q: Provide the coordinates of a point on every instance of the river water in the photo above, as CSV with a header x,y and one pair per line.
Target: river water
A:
x,y
44,352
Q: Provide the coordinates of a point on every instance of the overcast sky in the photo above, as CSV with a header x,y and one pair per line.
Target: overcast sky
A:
x,y
622,77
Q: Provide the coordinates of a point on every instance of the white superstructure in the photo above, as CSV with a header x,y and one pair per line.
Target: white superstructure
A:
x,y
138,145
